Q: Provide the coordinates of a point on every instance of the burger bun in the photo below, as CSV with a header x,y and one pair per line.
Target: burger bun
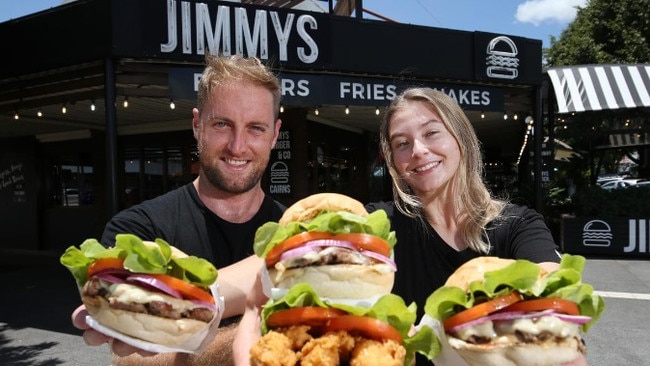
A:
x,y
310,206
149,328
338,281
547,353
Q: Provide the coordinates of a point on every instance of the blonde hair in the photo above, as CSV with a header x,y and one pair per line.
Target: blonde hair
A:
x,y
474,204
221,70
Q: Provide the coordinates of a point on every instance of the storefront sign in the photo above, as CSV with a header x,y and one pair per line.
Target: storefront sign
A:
x,y
279,176
606,236
239,30
310,90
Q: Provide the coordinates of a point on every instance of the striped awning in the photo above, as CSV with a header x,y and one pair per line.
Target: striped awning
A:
x,y
598,87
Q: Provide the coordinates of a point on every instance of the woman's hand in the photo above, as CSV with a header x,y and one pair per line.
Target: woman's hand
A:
x,y
248,332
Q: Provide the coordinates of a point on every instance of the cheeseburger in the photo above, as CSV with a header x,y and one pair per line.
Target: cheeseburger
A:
x,y
303,329
331,242
511,312
146,290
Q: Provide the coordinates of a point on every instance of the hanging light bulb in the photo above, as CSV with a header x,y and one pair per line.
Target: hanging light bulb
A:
x,y
377,111
281,108
16,116
172,105
505,116
39,113
92,105
347,110
482,115
515,116
126,102
64,109
316,112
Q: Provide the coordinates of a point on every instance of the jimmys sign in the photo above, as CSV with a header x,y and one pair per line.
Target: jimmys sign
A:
x,y
607,236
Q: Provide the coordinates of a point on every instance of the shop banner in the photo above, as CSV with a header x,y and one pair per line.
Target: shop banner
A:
x,y
615,237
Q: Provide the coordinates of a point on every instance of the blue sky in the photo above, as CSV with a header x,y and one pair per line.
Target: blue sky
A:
x,y
537,19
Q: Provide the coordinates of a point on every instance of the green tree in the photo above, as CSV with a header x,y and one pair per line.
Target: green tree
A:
x,y
604,32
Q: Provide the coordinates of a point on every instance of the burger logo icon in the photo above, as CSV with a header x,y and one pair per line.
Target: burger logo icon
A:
x,y
501,60
597,233
279,173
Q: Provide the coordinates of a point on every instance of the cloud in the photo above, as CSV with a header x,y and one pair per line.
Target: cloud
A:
x,y
540,11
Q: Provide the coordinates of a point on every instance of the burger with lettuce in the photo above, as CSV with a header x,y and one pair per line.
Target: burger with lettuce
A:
x,y
331,242
146,290
303,329
511,312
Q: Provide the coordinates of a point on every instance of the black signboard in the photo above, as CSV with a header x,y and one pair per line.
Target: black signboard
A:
x,y
614,237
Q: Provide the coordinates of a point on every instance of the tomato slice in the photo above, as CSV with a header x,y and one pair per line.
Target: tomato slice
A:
x,y
481,310
307,315
104,264
297,240
186,289
369,242
364,326
557,304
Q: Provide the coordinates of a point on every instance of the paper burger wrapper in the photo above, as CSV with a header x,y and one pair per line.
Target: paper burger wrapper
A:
x,y
448,356
194,344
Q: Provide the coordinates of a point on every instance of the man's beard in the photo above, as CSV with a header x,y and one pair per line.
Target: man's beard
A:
x,y
227,183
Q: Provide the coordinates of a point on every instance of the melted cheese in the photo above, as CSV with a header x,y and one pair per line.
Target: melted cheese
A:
x,y
502,330
126,293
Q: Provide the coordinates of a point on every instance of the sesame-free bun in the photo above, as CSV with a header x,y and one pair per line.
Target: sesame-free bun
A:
x,y
150,328
339,281
309,207
547,353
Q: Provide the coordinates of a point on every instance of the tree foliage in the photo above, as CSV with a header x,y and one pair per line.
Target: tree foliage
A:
x,y
604,32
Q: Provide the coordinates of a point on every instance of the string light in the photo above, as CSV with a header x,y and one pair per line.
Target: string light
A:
x,y
316,112
92,105
377,111
64,109
482,115
515,116
39,113
281,108
126,102
505,116
347,110
16,116
172,105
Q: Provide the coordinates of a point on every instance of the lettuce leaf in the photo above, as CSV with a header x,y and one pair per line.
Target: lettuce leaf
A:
x,y
522,275
390,309
139,258
376,223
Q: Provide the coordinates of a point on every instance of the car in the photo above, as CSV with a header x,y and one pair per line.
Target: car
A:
x,y
621,183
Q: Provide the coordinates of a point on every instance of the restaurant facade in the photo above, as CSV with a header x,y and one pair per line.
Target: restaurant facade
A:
x,y
95,105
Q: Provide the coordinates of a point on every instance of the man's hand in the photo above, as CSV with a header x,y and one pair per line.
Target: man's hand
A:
x,y
95,338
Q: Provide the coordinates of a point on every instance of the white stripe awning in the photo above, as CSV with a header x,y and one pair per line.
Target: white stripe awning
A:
x,y
598,87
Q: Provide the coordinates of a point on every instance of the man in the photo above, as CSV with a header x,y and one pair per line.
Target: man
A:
x,y
215,217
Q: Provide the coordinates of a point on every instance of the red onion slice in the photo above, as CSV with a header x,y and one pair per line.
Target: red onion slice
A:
x,y
380,258
576,319
298,252
155,284
109,277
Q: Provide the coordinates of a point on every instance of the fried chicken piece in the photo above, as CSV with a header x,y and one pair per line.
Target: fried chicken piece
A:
x,y
374,353
298,334
332,349
273,349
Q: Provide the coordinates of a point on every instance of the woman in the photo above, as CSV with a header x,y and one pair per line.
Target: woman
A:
x,y
443,214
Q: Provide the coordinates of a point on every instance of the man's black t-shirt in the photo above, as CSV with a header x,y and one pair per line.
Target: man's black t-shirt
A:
x,y
181,219
424,261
